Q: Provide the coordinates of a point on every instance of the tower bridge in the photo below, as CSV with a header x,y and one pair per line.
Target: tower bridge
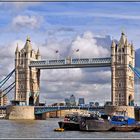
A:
x,y
28,65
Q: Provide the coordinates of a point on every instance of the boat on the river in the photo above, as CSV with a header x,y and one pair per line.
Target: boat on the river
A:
x,y
94,122
70,122
124,124
124,128
97,122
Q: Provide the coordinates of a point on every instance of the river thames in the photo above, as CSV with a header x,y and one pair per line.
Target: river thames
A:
x,y
44,129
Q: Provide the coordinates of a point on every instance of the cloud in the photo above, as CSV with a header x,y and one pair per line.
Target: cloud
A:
x,y
88,47
26,21
95,14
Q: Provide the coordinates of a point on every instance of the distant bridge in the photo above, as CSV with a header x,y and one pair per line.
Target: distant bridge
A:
x,y
71,63
44,109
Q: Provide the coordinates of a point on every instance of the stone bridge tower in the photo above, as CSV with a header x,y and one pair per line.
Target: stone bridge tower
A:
x,y
27,79
122,54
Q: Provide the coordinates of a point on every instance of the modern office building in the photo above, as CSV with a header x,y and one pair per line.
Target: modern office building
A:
x,y
72,100
67,102
91,104
81,101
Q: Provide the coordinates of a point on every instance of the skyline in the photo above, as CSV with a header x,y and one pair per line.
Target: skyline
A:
x,y
67,26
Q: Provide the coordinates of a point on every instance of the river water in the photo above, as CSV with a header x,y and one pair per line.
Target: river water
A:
x,y
44,129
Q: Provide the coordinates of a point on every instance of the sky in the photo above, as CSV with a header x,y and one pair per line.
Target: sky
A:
x,y
67,26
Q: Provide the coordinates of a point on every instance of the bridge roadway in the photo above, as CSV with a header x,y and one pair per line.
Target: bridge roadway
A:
x,y
43,109
71,63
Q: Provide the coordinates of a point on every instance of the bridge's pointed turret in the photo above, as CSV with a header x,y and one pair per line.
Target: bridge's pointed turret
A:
x,y
17,52
123,39
28,46
17,49
126,42
113,48
38,54
113,44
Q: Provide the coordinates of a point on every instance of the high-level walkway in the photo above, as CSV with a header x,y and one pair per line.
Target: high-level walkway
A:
x,y
71,63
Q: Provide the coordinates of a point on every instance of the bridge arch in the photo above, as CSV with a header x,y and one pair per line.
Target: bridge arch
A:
x,y
130,100
31,100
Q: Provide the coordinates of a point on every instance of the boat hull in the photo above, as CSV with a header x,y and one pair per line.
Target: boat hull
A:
x,y
95,125
73,126
124,128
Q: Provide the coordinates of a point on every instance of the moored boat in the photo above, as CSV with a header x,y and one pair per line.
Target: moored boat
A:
x,y
70,122
95,123
124,128
124,124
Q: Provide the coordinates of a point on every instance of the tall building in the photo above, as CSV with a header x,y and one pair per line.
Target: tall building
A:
x,y
123,55
27,79
91,104
3,100
72,100
96,104
81,101
67,102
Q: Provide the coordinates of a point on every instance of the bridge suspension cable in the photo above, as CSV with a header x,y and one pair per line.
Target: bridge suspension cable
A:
x,y
12,86
137,73
2,82
135,70
8,86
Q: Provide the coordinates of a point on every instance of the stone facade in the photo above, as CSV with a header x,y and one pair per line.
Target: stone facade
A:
x,y
27,79
120,110
122,54
20,112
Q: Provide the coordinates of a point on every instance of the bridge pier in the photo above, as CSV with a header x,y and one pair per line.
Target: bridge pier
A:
x,y
120,110
20,113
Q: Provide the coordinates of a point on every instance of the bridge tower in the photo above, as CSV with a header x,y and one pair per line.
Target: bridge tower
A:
x,y
122,54
27,79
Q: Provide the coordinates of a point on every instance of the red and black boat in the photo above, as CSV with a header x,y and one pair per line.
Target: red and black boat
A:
x,y
70,122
